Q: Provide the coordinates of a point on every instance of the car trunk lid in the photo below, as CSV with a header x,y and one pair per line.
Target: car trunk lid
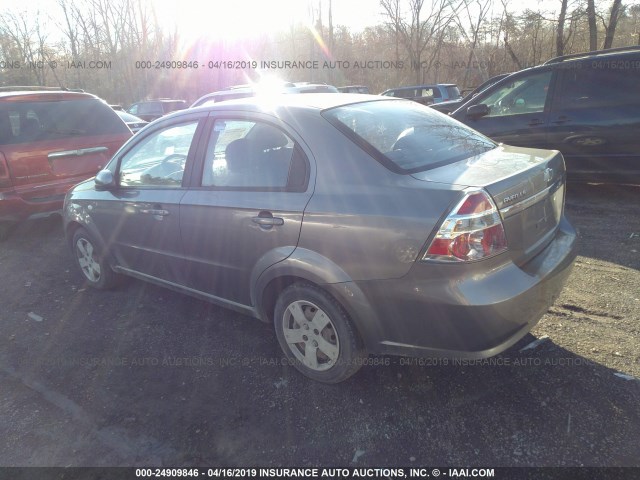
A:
x,y
527,186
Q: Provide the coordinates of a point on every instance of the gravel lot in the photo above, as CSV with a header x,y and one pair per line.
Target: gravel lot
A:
x,y
142,376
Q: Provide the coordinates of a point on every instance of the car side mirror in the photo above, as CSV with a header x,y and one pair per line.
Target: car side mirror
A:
x,y
477,111
104,180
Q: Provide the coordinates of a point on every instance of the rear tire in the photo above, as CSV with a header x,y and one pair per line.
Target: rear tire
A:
x,y
316,334
91,261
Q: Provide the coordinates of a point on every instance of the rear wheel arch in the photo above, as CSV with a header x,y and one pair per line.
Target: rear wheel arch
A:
x,y
271,292
317,334
324,274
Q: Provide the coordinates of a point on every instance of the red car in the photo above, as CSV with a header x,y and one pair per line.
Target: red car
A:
x,y
49,141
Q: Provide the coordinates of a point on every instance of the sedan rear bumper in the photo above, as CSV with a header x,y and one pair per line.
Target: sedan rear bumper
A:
x,y
458,311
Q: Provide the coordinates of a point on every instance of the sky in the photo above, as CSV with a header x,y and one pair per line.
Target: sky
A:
x,y
234,19
237,18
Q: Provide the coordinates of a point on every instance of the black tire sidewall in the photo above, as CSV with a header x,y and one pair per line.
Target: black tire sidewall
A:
x,y
351,353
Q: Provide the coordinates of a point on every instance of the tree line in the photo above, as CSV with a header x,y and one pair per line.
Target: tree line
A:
x,y
122,51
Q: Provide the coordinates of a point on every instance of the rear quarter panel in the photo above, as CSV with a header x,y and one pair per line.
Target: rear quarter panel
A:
x,y
364,218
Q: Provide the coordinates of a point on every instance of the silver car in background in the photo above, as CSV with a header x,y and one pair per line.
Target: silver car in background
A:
x,y
354,224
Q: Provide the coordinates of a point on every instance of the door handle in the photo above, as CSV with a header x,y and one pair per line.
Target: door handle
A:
x,y
157,211
268,221
535,122
562,119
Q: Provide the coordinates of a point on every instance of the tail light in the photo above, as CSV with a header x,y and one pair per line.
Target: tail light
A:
x,y
5,177
472,231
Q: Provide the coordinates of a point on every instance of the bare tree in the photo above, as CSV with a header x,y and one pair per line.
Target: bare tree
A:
x,y
593,27
508,26
420,32
560,29
393,12
28,31
610,29
474,25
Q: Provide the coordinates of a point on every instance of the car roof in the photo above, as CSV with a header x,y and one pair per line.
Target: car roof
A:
x,y
423,86
596,54
248,91
43,95
161,100
308,101
230,91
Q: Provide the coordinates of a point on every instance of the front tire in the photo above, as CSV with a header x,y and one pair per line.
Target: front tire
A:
x,y
92,262
316,334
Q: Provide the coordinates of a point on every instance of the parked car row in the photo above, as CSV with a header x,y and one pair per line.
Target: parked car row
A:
x,y
353,223
244,91
426,94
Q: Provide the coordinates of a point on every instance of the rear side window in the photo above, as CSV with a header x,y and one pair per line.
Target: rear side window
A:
x,y
428,92
173,106
43,121
253,155
600,84
407,93
453,92
150,108
405,136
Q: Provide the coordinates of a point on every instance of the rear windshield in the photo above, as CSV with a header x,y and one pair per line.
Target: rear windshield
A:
x,y
25,122
405,136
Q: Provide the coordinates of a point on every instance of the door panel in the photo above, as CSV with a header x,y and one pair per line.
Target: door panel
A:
x,y
141,218
595,119
225,235
248,206
517,114
142,227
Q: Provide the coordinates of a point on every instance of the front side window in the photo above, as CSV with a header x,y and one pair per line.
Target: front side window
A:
x,y
523,95
158,160
405,136
248,154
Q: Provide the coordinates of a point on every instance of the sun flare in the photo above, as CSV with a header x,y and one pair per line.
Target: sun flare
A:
x,y
243,19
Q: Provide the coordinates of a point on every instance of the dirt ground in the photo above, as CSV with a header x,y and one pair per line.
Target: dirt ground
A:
x,y
142,376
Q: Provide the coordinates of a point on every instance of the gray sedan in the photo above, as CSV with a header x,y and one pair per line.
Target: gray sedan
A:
x,y
354,224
